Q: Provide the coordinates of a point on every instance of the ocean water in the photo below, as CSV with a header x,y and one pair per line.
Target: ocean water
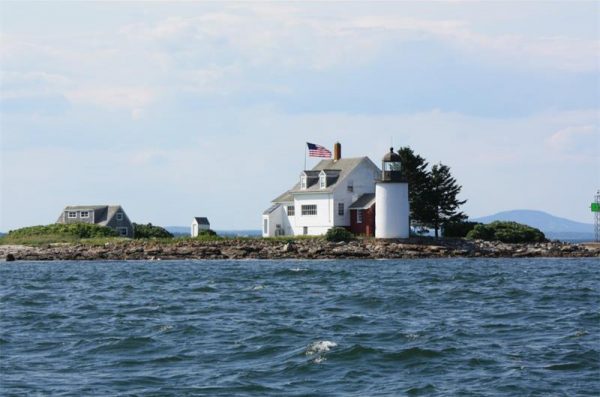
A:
x,y
460,327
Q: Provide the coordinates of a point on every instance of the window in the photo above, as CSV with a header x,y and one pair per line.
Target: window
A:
x,y
72,214
322,182
119,216
359,216
265,226
350,188
291,210
84,214
305,230
122,231
341,209
309,209
303,182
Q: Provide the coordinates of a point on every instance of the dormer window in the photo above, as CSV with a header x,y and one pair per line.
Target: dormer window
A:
x,y
303,182
322,180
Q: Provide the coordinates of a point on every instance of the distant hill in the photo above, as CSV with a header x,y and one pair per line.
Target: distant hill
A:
x,y
553,226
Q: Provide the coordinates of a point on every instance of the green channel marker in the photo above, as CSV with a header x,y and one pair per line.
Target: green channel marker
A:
x,y
595,207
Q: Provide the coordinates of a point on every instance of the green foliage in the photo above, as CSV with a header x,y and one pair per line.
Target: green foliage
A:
x,y
59,233
414,169
442,198
507,232
458,229
150,231
338,234
432,194
79,230
208,234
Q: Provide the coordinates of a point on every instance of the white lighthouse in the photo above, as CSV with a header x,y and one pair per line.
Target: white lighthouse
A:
x,y
391,200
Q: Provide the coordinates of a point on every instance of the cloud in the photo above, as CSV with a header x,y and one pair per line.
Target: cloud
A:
x,y
132,98
581,142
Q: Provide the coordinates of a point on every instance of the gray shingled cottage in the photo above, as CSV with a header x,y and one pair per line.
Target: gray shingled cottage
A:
x,y
112,216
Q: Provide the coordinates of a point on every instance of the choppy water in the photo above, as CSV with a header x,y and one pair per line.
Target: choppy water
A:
x,y
290,328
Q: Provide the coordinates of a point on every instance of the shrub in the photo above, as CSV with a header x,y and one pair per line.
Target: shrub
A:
x,y
338,234
79,230
207,232
458,229
150,231
507,232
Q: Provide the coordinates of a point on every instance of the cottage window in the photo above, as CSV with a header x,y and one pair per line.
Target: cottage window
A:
x,y
309,209
341,209
265,226
119,216
84,214
322,182
359,216
122,231
350,188
291,210
72,214
303,182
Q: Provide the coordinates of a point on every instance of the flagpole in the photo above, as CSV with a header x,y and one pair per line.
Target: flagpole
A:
x,y
305,145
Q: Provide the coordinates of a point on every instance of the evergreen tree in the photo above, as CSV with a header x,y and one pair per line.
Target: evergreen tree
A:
x,y
441,200
414,169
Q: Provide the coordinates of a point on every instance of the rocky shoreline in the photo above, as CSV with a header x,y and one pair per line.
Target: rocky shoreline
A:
x,y
296,249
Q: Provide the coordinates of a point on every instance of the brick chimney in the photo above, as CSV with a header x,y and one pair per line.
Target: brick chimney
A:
x,y
337,151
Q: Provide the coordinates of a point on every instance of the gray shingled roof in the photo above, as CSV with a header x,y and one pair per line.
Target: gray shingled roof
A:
x,y
363,202
271,209
84,207
201,220
106,214
342,167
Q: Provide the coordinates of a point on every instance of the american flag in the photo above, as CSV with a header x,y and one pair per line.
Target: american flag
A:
x,y
317,151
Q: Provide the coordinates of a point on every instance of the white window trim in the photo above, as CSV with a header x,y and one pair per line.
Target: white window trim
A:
x,y
341,209
72,214
121,230
303,182
120,216
291,210
359,216
87,214
304,210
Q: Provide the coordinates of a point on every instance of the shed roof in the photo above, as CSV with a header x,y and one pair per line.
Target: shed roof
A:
x,y
201,220
363,202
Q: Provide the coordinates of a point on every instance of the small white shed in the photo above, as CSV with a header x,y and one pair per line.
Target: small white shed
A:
x,y
199,223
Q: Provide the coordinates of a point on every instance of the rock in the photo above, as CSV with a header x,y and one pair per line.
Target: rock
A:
x,y
289,247
10,258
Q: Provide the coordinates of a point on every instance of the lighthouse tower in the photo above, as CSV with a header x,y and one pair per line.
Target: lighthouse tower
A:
x,y
391,200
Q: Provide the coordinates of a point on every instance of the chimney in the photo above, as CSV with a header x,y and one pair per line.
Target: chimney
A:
x,y
337,151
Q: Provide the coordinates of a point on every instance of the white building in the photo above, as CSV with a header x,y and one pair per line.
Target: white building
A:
x,y
198,224
322,197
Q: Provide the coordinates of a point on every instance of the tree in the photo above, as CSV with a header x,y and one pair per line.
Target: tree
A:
x,y
150,231
441,200
414,169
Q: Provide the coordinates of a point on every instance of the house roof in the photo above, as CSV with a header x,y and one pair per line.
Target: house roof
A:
x,y
336,171
363,202
104,213
201,220
84,207
271,209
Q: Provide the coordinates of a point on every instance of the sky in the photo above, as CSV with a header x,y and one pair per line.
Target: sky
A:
x,y
183,109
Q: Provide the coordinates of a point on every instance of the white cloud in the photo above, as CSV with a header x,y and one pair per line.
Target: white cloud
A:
x,y
133,98
581,142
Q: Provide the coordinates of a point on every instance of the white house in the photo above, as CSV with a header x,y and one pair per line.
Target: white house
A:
x,y
199,223
322,197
